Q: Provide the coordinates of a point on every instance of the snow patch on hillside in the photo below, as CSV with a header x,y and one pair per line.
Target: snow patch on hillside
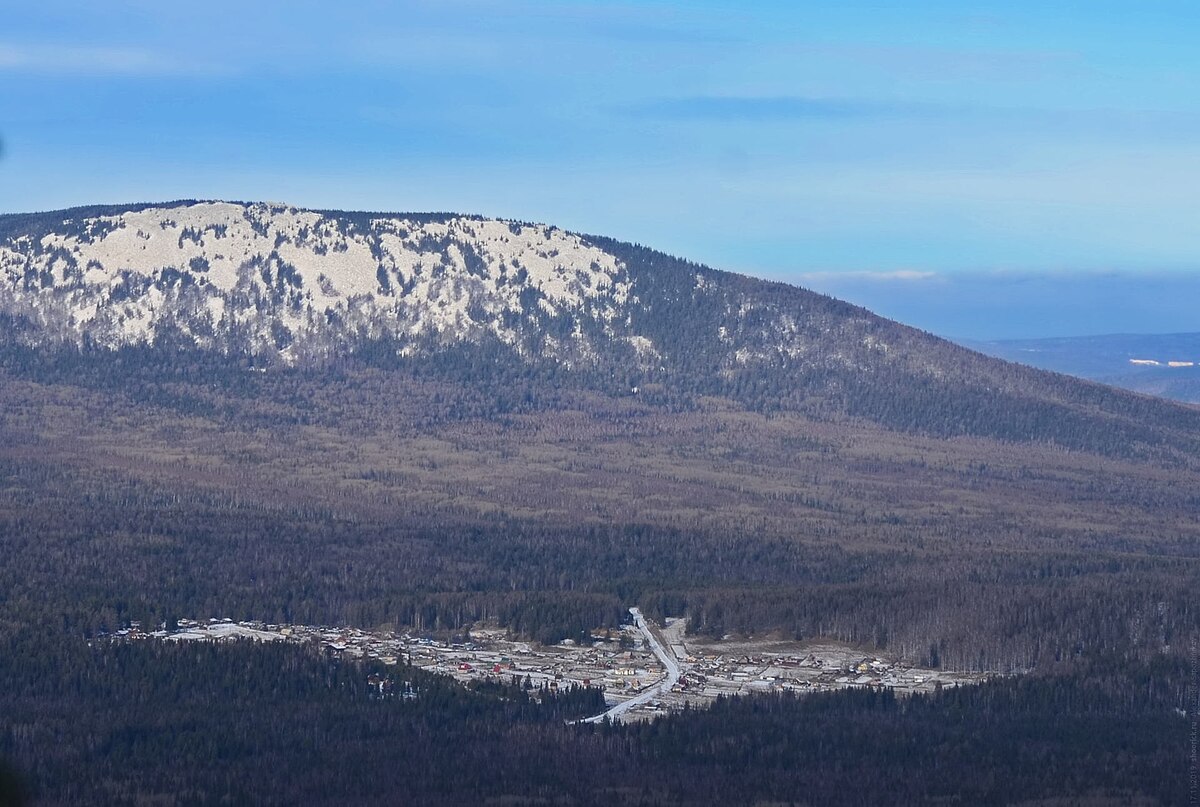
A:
x,y
292,281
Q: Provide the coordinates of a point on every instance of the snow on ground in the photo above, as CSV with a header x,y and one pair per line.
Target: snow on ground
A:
x,y
121,278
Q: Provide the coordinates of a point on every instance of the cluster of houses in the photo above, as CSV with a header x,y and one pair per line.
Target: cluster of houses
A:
x,y
709,675
605,664
620,665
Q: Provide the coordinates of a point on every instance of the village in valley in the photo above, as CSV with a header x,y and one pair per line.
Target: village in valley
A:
x,y
644,670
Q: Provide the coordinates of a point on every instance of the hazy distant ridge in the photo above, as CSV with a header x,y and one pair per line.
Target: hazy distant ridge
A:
x,y
1158,364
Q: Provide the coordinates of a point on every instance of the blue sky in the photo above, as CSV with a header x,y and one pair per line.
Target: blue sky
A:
x,y
976,169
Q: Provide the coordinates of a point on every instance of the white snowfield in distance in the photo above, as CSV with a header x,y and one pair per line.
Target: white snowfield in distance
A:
x,y
1157,363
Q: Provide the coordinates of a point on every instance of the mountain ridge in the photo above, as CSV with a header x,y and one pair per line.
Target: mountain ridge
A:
x,y
275,285
97,222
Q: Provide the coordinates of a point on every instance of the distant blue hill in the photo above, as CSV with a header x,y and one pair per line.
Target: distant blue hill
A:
x,y
1155,364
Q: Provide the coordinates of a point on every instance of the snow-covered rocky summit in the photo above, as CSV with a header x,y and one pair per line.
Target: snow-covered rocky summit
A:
x,y
296,285
302,287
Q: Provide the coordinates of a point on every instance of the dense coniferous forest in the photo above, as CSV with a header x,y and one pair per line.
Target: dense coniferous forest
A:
x,y
145,486
383,496
282,724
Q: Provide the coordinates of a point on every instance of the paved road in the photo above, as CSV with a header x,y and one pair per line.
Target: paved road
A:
x,y
662,687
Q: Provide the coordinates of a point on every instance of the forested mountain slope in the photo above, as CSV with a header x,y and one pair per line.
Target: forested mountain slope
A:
x,y
275,286
261,412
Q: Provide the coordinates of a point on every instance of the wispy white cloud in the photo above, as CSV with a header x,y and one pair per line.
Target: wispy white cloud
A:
x,y
77,59
897,275
778,108
925,61
972,117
